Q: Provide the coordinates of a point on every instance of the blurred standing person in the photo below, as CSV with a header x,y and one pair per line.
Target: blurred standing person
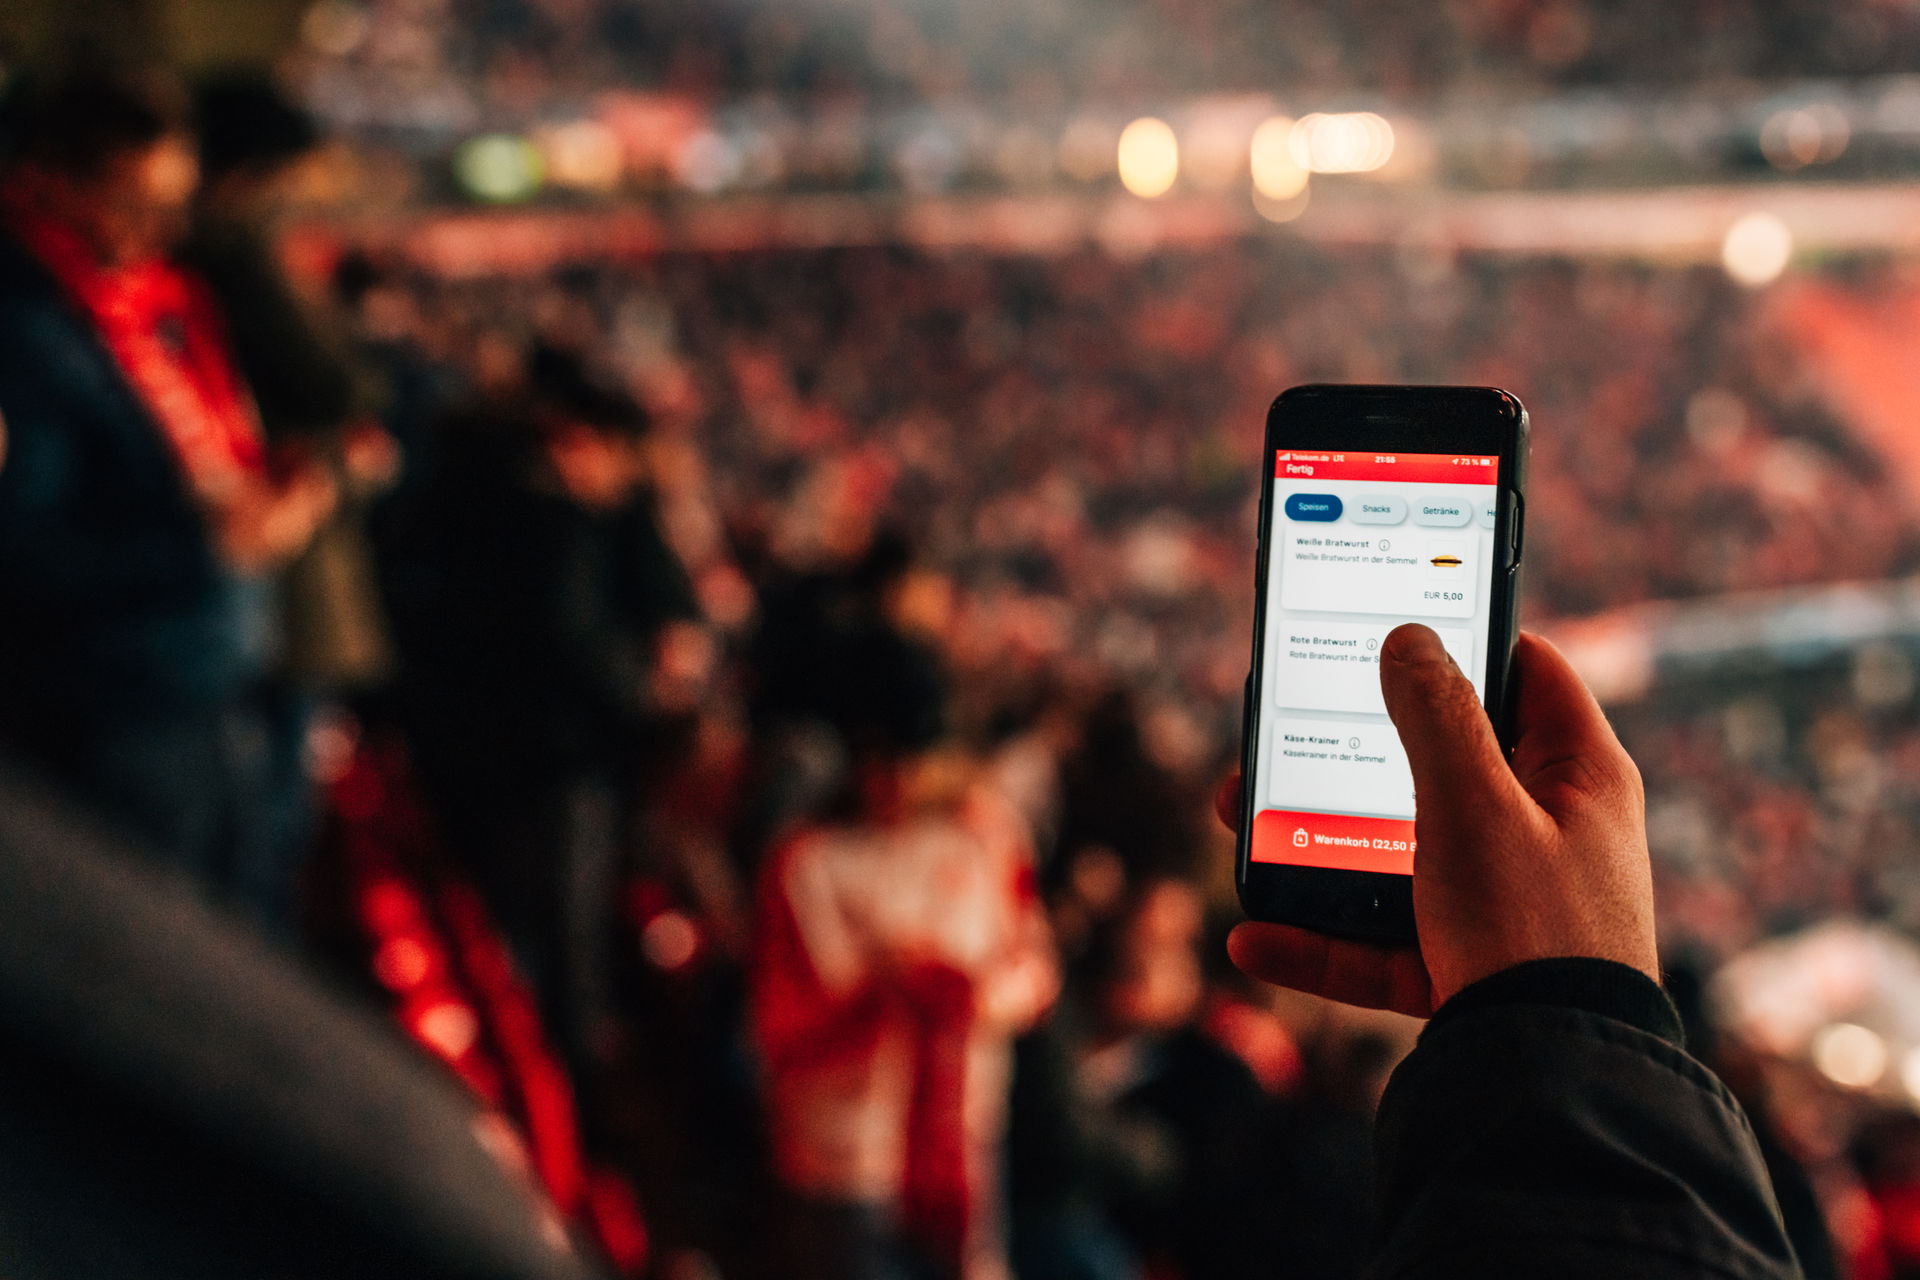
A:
x,y
902,947
1145,1144
140,518
800,674
253,143
545,664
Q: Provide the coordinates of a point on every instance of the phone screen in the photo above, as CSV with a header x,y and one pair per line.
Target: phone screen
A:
x,y
1360,543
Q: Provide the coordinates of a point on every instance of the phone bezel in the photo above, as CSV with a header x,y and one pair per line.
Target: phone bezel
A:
x,y
1372,905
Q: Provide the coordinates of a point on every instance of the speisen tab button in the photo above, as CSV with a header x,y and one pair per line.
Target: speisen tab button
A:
x,y
1313,506
1444,513
1379,508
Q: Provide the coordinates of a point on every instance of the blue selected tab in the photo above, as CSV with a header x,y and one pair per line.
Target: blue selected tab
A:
x,y
1312,506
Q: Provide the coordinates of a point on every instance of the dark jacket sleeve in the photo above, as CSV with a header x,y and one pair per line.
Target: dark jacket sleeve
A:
x,y
1549,1124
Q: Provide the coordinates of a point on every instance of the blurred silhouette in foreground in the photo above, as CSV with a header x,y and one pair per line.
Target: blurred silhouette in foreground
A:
x,y
176,1100
141,518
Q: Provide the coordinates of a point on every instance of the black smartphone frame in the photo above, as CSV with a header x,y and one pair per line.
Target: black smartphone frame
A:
x,y
1377,906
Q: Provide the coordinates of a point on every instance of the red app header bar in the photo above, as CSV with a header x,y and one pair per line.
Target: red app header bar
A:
x,y
1409,468
1334,840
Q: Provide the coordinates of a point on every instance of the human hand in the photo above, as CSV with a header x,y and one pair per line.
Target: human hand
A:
x,y
685,656
1544,857
369,456
264,523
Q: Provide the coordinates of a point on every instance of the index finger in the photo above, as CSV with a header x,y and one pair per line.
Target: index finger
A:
x,y
1226,801
1563,744
1357,973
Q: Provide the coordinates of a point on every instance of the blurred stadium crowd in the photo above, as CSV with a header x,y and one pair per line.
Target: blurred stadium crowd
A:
x,y
497,59
754,716
591,99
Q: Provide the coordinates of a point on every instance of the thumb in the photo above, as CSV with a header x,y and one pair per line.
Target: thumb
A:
x,y
1458,766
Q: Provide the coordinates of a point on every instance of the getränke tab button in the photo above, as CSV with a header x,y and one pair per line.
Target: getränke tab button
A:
x,y
1442,513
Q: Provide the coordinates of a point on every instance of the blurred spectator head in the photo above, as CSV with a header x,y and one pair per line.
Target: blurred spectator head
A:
x,y
591,431
107,154
883,697
567,390
1145,967
250,132
891,703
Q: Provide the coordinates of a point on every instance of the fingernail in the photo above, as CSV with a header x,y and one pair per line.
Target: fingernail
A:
x,y
1398,649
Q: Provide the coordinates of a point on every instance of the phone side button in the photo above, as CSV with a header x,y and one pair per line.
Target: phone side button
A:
x,y
1516,530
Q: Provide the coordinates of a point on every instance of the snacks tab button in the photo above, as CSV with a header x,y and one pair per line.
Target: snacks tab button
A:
x,y
1379,508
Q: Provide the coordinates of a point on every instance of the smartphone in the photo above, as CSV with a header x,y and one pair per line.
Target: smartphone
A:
x,y
1378,506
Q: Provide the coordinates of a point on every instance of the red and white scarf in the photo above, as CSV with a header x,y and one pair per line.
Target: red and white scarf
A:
x,y
163,330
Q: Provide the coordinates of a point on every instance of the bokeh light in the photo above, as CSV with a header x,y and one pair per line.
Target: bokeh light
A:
x,y
1349,142
1276,174
1910,1074
1757,249
1850,1055
1149,157
670,940
1796,138
499,168
584,154
707,163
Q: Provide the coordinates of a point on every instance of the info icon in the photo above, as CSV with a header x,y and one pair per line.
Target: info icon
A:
x,y
1300,838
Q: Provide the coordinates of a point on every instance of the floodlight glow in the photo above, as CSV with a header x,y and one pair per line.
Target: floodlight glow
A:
x,y
707,162
1757,249
1796,138
583,154
1849,1055
498,167
1149,157
1349,142
1910,1073
1276,174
